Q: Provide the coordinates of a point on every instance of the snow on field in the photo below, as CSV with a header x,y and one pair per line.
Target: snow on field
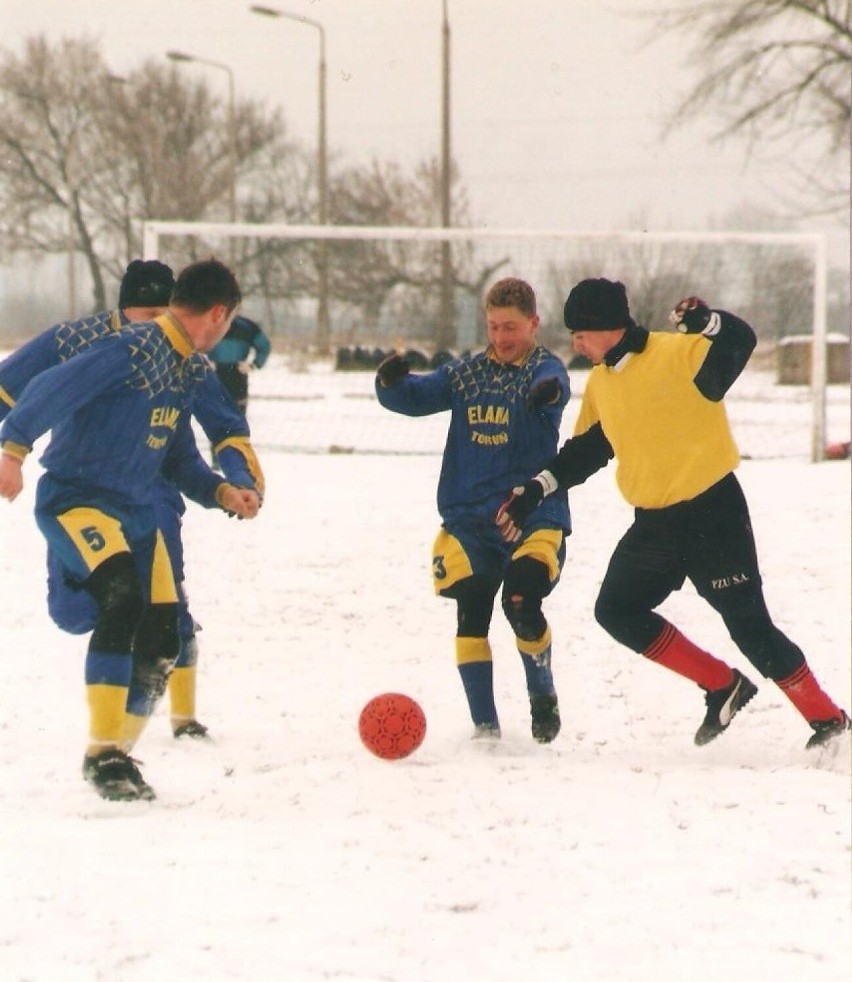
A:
x,y
283,850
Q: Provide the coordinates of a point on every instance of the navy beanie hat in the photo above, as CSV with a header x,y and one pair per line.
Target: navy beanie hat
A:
x,y
146,284
597,305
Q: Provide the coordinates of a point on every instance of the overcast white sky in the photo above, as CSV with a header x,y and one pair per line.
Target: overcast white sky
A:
x,y
557,105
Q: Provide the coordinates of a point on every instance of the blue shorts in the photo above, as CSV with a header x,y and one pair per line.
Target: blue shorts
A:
x,y
83,529
474,549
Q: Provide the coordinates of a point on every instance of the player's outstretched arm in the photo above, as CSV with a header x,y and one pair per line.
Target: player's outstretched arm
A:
x,y
579,458
410,394
521,503
392,370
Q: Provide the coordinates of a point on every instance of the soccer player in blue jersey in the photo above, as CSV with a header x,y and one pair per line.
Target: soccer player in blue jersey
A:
x,y
654,401
505,405
119,413
144,294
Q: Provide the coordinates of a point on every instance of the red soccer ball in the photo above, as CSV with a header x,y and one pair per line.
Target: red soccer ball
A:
x,y
392,725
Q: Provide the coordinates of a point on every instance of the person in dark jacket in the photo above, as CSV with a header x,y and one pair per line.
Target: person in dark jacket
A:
x,y
243,349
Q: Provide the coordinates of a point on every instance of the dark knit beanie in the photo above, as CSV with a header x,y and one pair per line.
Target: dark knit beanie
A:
x,y
597,305
146,284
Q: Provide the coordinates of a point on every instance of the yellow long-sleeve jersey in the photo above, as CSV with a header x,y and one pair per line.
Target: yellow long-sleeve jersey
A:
x,y
670,442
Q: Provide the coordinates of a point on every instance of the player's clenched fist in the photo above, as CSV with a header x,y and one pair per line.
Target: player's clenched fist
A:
x,y
242,502
11,477
691,316
544,393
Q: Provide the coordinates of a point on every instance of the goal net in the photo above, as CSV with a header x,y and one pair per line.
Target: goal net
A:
x,y
335,299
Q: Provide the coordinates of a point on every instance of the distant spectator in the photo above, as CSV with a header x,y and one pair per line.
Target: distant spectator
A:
x,y
231,357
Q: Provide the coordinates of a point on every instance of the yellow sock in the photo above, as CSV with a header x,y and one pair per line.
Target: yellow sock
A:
x,y
106,715
131,730
472,649
535,648
182,683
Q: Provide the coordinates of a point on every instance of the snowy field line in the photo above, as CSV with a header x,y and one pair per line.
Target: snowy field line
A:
x,y
283,850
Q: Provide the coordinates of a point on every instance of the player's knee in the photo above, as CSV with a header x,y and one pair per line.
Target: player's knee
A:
x,y
634,629
474,596
158,634
155,651
525,585
188,654
117,590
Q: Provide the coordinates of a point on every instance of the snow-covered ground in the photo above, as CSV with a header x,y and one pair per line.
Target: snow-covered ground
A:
x,y
283,850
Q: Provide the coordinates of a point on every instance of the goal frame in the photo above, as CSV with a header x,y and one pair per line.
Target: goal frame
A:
x,y
153,230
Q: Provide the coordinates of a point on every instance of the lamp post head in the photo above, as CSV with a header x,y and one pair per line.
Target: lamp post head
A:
x,y
179,56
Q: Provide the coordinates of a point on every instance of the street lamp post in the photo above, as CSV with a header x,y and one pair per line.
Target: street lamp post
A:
x,y
232,128
446,328
323,333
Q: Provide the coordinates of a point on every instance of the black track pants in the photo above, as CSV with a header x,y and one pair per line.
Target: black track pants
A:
x,y
710,541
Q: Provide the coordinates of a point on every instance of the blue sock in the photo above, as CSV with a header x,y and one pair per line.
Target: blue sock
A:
x,y
478,681
539,676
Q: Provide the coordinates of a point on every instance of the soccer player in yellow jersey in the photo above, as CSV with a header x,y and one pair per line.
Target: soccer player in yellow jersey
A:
x,y
654,402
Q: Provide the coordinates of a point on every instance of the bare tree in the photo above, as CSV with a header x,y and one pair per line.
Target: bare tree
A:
x,y
400,279
773,69
88,156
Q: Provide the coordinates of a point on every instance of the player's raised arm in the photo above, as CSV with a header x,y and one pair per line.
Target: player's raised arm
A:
x,y
732,342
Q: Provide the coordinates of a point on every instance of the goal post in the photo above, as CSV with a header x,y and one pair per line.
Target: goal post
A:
x,y
725,249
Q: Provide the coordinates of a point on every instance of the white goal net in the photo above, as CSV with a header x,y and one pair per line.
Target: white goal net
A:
x,y
334,299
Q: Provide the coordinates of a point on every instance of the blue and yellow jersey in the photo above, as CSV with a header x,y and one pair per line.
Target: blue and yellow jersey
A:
x,y
131,390
52,347
494,442
671,442
223,424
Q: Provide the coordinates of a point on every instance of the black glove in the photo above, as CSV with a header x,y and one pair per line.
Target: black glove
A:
x,y
515,510
691,316
544,393
393,370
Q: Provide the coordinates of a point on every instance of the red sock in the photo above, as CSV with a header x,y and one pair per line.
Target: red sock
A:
x,y
679,654
803,690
